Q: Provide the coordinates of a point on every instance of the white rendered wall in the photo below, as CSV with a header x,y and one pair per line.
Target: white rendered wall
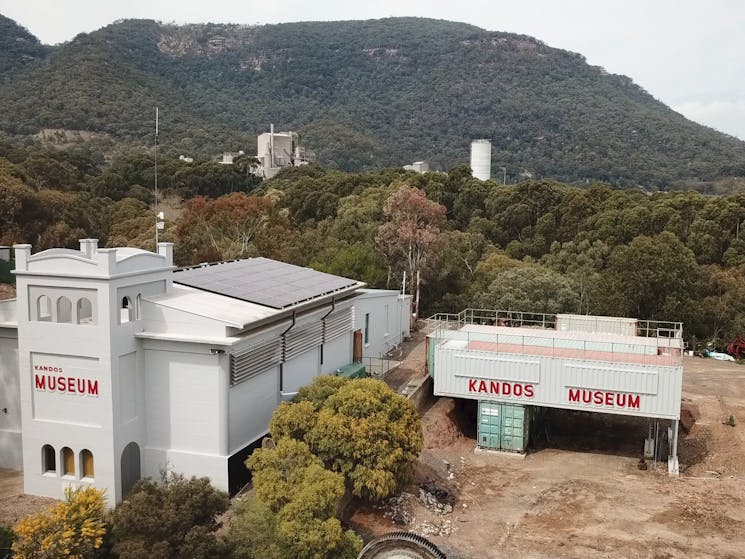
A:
x,y
337,353
62,418
388,323
10,402
186,414
69,371
301,370
251,405
182,392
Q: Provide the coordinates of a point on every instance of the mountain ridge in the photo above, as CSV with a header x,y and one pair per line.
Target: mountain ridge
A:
x,y
364,94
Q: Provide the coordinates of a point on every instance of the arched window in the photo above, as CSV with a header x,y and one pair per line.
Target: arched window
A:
x,y
86,463
126,314
68,462
85,311
44,309
64,310
48,460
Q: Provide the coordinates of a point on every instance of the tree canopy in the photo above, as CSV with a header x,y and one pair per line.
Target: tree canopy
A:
x,y
362,94
361,429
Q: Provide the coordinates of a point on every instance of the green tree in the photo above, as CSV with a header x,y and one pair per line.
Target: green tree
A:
x,y
363,429
650,278
531,288
301,500
174,519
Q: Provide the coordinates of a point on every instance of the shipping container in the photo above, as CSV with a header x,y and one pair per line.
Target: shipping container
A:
x,y
596,324
622,382
503,426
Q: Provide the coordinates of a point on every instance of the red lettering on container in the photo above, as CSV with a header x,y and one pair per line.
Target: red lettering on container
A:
x,y
499,388
603,398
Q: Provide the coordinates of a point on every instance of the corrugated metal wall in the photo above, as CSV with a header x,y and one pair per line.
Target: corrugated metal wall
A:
x,y
623,388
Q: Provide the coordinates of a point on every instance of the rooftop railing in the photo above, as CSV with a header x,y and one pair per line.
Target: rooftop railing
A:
x,y
667,350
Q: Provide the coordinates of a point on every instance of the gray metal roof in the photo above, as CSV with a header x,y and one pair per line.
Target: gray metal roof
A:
x,y
263,281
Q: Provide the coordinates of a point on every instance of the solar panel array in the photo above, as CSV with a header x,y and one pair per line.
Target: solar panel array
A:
x,y
263,281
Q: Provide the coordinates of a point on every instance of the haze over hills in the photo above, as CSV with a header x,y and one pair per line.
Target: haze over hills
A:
x,y
363,95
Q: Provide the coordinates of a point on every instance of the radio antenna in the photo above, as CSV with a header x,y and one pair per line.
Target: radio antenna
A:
x,y
157,215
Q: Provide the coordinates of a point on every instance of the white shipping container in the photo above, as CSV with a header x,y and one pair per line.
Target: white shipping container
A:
x,y
596,324
648,388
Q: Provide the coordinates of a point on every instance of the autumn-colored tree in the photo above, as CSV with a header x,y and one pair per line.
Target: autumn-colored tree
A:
x,y
362,429
299,501
410,236
232,226
72,529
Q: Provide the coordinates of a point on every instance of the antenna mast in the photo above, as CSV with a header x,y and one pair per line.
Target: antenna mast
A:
x,y
157,222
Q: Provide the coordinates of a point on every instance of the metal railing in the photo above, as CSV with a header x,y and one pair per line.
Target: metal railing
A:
x,y
667,351
523,319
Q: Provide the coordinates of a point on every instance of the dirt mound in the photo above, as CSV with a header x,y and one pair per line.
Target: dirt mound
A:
x,y
440,424
689,413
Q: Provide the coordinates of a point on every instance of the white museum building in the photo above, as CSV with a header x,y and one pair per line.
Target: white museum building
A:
x,y
115,365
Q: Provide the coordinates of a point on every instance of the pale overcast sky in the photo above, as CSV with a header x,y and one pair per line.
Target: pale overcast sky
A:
x,y
690,54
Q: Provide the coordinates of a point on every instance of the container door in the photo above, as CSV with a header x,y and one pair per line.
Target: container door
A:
x,y
513,428
490,420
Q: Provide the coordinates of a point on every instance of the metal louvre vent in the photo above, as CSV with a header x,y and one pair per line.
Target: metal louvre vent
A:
x,y
337,324
301,340
254,360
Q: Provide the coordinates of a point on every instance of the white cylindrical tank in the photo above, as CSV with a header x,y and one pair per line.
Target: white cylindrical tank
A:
x,y
481,159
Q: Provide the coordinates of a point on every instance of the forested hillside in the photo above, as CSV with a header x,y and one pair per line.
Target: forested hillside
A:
x,y
539,245
363,94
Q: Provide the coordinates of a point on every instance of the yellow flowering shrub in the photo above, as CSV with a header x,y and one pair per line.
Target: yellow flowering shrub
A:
x,y
72,529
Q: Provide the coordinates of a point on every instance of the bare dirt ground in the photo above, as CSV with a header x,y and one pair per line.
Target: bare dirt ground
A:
x,y
14,505
580,492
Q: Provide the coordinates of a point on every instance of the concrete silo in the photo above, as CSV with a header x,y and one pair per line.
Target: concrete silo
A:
x,y
481,159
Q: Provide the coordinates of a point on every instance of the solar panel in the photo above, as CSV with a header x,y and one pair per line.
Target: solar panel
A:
x,y
263,281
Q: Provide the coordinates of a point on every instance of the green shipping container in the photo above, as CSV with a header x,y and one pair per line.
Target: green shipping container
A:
x,y
431,345
503,426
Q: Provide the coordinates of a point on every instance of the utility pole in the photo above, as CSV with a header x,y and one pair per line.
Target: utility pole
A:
x,y
504,175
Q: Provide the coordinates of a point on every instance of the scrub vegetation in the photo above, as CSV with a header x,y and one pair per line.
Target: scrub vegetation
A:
x,y
175,518
72,529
